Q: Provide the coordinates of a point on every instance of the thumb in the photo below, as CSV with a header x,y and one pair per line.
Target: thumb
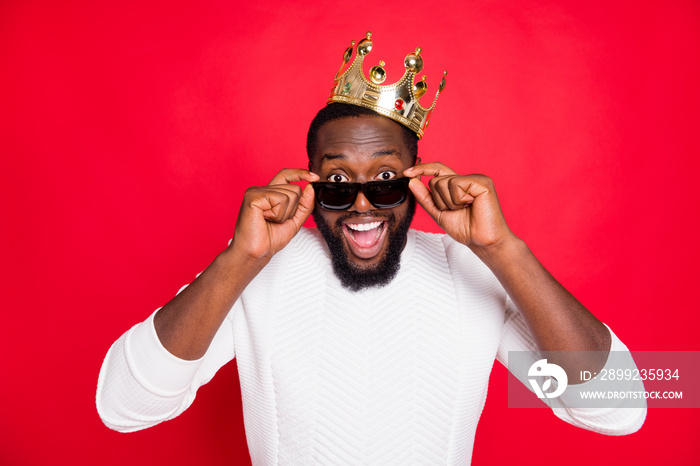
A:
x,y
424,197
305,206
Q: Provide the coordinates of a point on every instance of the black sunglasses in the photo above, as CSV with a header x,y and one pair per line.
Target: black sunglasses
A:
x,y
381,194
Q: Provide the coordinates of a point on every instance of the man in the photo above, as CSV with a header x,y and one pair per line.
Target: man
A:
x,y
364,342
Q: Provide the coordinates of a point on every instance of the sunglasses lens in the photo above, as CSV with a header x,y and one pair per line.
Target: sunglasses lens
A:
x,y
381,194
387,194
336,196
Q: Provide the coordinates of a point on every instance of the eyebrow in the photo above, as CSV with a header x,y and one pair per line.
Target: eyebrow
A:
x,y
332,157
380,153
393,152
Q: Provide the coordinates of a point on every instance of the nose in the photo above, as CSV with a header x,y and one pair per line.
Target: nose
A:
x,y
361,204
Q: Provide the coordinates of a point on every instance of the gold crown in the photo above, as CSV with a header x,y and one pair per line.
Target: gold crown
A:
x,y
398,101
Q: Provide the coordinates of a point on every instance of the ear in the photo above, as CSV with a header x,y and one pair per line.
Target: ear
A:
x,y
417,161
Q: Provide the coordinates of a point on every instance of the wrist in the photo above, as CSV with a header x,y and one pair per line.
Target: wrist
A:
x,y
235,259
506,250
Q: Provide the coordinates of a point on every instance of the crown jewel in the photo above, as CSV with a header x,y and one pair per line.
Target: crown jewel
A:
x,y
398,101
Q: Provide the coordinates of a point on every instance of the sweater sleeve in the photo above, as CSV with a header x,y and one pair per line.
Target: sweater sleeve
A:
x,y
141,384
609,417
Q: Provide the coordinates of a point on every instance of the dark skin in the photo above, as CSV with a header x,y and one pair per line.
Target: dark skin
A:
x,y
465,206
361,150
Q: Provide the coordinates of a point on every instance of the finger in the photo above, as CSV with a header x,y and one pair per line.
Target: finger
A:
x,y
293,191
459,193
305,206
472,186
443,188
429,169
437,197
424,197
273,204
292,175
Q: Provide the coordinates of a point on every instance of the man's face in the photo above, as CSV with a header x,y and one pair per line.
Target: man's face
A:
x,y
365,242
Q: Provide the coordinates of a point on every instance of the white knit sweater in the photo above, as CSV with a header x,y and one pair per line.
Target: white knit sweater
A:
x,y
393,375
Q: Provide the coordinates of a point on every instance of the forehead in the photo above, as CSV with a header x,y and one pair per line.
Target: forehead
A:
x,y
360,139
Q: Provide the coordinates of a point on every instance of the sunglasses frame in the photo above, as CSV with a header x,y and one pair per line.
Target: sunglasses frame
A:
x,y
399,184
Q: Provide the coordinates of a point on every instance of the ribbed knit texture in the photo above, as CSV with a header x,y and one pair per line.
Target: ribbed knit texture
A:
x,y
393,375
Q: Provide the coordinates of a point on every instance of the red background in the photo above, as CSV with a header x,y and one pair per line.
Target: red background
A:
x,y
129,132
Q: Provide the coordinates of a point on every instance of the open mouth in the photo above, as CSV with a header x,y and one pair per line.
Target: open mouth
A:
x,y
365,239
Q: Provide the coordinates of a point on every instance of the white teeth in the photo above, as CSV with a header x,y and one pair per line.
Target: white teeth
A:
x,y
363,226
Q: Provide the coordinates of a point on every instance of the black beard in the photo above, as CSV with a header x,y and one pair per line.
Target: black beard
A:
x,y
356,278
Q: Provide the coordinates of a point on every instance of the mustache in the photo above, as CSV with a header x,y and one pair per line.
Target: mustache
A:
x,y
389,215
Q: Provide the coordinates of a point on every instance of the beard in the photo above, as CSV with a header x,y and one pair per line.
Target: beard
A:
x,y
357,278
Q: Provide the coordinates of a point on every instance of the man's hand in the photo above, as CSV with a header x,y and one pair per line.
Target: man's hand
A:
x,y
465,206
271,215
268,220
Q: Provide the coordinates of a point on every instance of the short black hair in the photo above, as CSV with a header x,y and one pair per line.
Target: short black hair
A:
x,y
336,111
